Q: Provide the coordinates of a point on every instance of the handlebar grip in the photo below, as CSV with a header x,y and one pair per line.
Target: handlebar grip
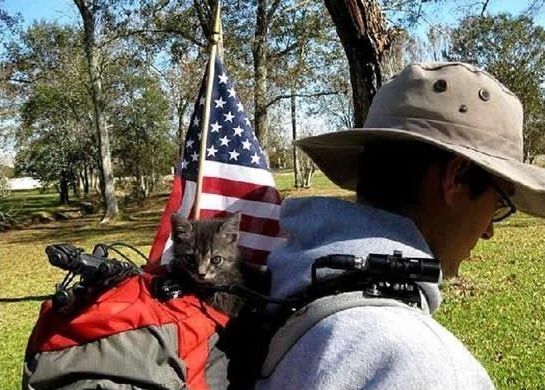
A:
x,y
64,256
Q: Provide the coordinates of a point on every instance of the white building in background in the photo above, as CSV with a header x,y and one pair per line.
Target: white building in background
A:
x,y
23,183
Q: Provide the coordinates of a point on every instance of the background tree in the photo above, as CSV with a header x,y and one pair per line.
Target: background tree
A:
x,y
54,137
512,49
8,26
368,28
365,36
173,40
142,142
302,75
260,36
150,59
93,12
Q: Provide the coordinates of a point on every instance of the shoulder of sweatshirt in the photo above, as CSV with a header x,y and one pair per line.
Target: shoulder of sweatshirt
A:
x,y
378,348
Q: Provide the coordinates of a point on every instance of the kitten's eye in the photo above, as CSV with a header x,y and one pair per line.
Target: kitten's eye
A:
x,y
216,260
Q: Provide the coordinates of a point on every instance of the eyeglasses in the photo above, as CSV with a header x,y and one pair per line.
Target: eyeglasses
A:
x,y
505,207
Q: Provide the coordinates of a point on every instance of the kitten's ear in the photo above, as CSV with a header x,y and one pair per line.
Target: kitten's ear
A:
x,y
230,227
181,227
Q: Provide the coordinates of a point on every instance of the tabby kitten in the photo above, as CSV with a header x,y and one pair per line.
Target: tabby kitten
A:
x,y
207,250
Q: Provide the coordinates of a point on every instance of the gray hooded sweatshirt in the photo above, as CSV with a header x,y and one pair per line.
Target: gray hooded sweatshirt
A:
x,y
366,347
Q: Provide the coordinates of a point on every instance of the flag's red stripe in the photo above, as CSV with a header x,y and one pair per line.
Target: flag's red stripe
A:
x,y
163,232
241,190
264,226
254,256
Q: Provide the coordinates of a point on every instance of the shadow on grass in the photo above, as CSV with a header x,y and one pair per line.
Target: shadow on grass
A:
x,y
87,234
138,227
86,228
525,223
29,298
31,201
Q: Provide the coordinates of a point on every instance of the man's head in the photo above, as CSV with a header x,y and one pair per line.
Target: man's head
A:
x,y
442,144
452,200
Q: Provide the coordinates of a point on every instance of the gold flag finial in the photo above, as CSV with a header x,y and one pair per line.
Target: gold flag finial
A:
x,y
216,24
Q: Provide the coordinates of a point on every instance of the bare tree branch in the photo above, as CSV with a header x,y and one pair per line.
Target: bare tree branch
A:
x,y
18,80
483,10
153,31
306,95
285,51
273,9
535,7
204,16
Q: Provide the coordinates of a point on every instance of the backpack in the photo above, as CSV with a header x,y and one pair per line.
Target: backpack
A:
x,y
129,336
126,338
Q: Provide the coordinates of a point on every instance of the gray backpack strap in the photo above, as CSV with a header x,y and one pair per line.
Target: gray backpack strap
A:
x,y
305,318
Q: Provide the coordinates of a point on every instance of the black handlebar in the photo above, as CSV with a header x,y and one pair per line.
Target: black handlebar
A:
x,y
96,272
382,267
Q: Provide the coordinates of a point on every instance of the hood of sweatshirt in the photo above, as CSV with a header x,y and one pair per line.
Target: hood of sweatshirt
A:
x,y
319,226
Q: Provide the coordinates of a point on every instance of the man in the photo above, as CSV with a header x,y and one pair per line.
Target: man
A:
x,y
439,160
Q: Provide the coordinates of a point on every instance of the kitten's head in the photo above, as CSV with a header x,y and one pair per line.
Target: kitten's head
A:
x,y
207,248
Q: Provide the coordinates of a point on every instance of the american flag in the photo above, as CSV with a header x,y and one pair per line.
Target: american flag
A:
x,y
236,176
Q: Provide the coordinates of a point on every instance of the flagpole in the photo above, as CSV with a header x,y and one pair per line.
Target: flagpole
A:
x,y
214,40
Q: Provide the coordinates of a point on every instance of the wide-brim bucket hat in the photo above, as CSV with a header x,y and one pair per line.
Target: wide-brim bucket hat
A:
x,y
454,106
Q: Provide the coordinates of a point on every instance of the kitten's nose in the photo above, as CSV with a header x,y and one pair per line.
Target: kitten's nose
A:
x,y
202,271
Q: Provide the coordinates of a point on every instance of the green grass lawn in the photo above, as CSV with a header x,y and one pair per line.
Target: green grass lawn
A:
x,y
28,204
497,307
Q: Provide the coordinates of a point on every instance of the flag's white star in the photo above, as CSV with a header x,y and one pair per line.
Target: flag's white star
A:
x,y
224,141
223,78
232,92
215,127
211,151
219,103
202,101
195,156
247,121
255,159
199,136
189,143
239,107
196,122
238,130
229,117
246,145
184,164
234,155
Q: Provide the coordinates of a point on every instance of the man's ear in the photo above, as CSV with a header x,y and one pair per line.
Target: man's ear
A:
x,y
451,181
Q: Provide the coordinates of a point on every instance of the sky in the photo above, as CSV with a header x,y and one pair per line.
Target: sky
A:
x,y
65,12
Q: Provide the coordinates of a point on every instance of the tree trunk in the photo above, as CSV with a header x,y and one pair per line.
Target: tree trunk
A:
x,y
294,134
361,27
87,12
182,107
259,53
308,175
97,182
64,189
75,187
86,173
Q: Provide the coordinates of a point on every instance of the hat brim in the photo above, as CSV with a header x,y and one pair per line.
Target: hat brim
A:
x,y
337,155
